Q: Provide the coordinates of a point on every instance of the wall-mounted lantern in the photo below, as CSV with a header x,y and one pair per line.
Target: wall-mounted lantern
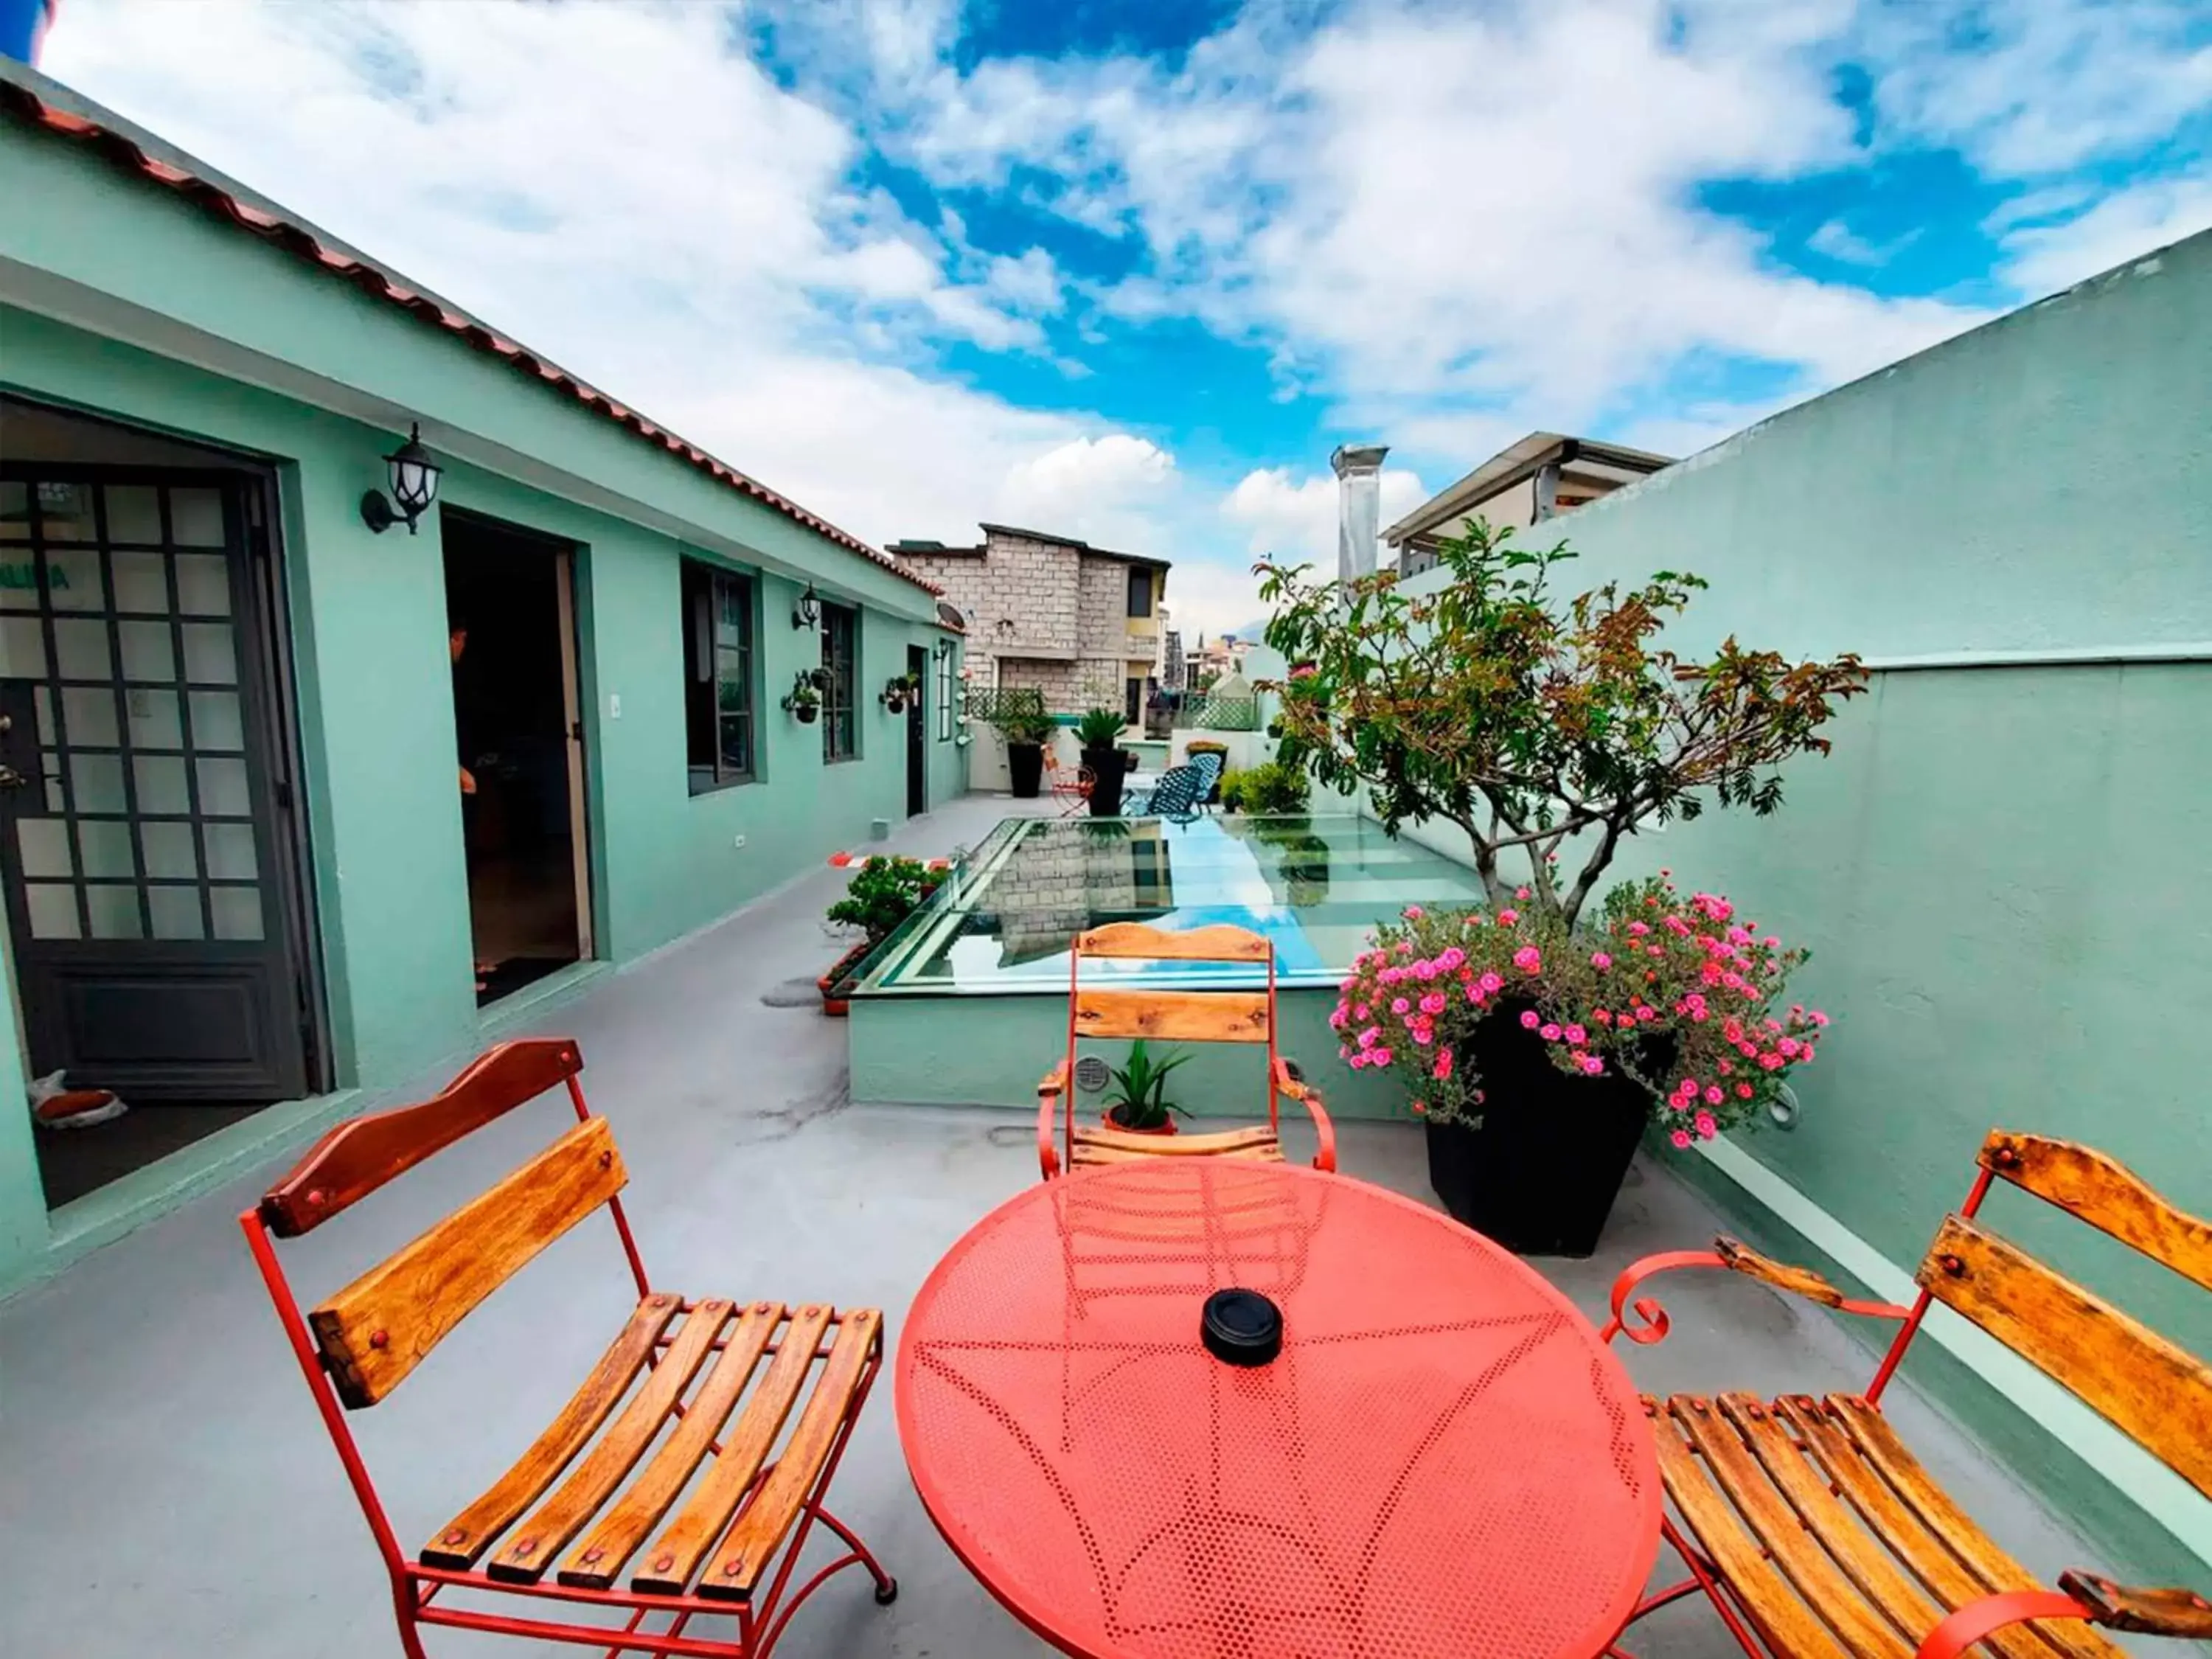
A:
x,y
807,613
414,477
944,649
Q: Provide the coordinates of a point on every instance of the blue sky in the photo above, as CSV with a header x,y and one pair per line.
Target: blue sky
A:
x,y
1130,271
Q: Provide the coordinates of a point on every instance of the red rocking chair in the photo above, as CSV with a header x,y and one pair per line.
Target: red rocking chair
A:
x,y
1817,1534
677,1370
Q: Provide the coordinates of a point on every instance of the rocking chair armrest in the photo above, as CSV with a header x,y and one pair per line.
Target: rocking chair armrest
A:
x,y
1736,1257
2180,1613
1050,1091
1310,1097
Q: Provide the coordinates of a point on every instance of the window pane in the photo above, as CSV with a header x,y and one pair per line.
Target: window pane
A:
x,y
113,908
176,912
96,781
237,912
161,784
736,745
134,514
153,722
223,789
73,580
203,584
53,910
195,517
209,657
14,511
64,511
44,844
89,711
169,850
142,583
840,646
104,844
81,649
1140,592
230,852
148,652
18,579
22,648
215,722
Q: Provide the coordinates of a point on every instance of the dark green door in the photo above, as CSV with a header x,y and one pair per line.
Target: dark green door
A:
x,y
150,901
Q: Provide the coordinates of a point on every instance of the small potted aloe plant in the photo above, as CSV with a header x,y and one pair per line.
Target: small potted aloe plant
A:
x,y
1138,1101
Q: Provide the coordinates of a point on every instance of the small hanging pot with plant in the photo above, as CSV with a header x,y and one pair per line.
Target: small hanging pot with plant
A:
x,y
804,704
1136,1099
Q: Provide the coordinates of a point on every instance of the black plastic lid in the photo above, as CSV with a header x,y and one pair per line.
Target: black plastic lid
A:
x,y
1241,1327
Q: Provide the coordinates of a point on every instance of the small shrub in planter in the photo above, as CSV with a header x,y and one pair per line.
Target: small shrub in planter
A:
x,y
883,892
1269,788
1537,1053
1138,1099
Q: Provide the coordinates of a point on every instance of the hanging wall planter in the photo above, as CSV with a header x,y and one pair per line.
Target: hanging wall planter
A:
x,y
803,702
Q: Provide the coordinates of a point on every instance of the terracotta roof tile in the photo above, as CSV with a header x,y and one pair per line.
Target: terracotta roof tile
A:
x,y
297,238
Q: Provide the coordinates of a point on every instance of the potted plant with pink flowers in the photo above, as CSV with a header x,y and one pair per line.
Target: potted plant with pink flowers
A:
x,y
1661,1007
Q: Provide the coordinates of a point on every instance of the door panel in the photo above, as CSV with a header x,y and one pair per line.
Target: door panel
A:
x,y
917,733
138,828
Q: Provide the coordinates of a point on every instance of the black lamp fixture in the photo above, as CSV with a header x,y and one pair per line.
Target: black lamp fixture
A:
x,y
414,487
944,649
808,611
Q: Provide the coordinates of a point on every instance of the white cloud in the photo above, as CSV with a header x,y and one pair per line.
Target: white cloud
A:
x,y
1839,241
1292,518
2047,258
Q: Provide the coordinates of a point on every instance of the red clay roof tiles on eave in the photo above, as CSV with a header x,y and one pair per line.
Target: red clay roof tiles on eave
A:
x,y
296,240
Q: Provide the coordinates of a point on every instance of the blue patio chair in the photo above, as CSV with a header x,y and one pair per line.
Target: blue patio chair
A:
x,y
1208,766
1174,796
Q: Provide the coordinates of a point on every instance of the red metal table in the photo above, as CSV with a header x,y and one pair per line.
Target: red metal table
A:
x,y
1443,1463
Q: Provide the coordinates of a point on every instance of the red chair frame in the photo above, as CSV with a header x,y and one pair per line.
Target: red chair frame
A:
x,y
365,1153
2092,1183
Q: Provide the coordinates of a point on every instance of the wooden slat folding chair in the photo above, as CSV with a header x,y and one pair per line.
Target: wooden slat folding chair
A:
x,y
1222,1016
1817,1534
670,1445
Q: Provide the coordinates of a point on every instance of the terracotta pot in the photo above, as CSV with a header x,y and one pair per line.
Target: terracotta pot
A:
x,y
836,1006
1107,1118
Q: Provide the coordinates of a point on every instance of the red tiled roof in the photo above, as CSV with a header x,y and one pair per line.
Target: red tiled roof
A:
x,y
298,240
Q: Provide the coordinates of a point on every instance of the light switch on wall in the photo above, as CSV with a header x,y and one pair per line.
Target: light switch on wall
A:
x,y
614,705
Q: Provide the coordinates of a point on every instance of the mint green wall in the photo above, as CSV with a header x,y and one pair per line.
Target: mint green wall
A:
x,y
2001,870
368,627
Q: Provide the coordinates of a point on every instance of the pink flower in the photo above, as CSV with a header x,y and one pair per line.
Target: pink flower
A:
x,y
1521,893
1530,1018
1707,1128
1424,1035
1817,1018
1642,1012
1474,994
1368,1038
1770,1062
1381,1057
1743,1091
1425,969
1600,961
1399,1005
1451,959
1420,1107
1507,918
1592,1064
1527,959
1688,1085
1442,1068
1627,1022
1602,1016
1433,1003
1788,1047
1412,913
1391,975
1549,1032
1681,1139
1578,1035
1492,983
1713,1095
1639,928
1360,1011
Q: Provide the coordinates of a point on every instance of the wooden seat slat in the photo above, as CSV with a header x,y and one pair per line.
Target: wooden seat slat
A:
x,y
539,1540
464,1538
763,1524
598,1556
676,1555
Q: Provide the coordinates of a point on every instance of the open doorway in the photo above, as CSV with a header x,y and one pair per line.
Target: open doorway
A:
x,y
512,636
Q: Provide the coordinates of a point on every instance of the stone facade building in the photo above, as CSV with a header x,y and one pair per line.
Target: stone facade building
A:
x,y
1078,622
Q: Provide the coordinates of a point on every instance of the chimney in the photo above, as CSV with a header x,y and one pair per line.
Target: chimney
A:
x,y
1358,507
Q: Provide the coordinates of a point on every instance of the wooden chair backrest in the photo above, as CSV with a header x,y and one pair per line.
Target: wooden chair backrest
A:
x,y
377,1329
2157,1392
1176,1016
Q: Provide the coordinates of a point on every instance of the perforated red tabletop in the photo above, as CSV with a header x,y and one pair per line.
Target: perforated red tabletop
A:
x,y
1442,1462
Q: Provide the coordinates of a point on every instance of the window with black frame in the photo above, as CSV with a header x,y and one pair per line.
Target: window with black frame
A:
x,y
1140,590
944,696
840,650
719,699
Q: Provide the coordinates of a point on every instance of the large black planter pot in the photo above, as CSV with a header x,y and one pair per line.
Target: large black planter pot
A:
x,y
1108,775
1026,766
1539,1170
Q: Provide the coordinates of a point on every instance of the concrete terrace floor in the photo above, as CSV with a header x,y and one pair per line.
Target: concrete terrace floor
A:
x,y
167,1490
